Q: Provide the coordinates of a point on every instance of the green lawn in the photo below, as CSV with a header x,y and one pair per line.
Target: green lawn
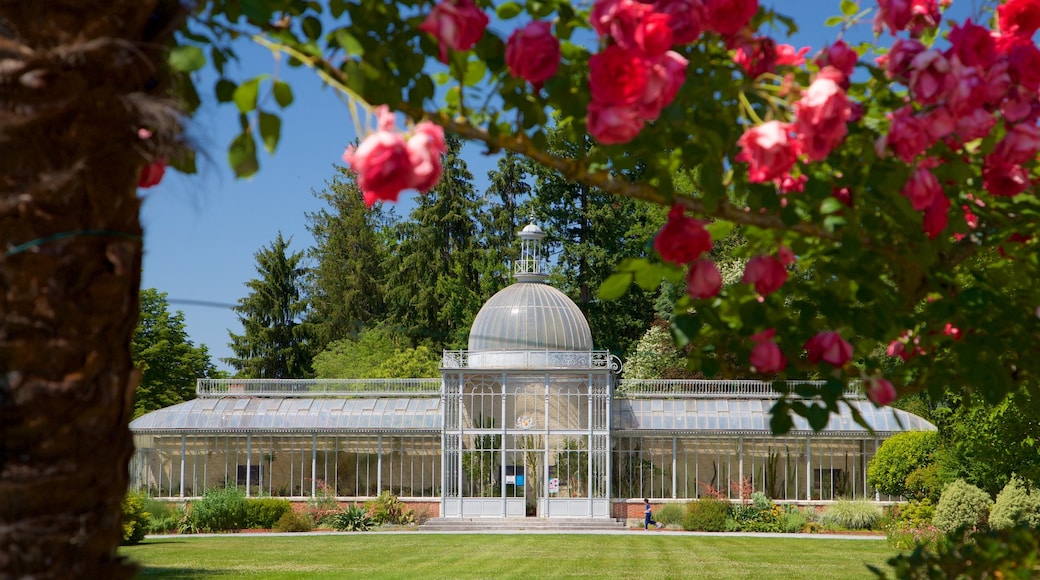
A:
x,y
380,555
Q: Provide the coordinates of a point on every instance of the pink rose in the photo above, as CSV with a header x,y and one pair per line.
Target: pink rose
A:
x,y
880,391
757,57
902,53
618,19
839,56
152,173
1020,106
939,123
936,216
907,135
972,45
682,240
687,18
924,15
727,17
922,188
1023,59
975,126
703,280
821,115
829,347
893,13
998,82
425,147
611,125
382,166
785,255
617,76
1020,144
769,151
767,273
1020,17
766,357
653,35
456,24
786,55
1003,180
967,91
533,53
667,73
930,78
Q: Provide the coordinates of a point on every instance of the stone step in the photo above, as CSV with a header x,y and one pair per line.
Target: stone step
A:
x,y
488,524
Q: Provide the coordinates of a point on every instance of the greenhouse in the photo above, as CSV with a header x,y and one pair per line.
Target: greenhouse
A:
x,y
529,421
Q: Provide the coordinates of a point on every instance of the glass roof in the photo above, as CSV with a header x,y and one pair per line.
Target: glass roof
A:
x,y
751,415
254,414
530,316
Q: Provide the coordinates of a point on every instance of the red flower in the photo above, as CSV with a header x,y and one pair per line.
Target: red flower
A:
x,y
897,63
1019,145
769,151
757,57
617,76
1019,17
425,147
611,125
922,188
930,77
703,280
936,216
829,347
766,357
667,73
972,45
533,53
687,18
880,391
729,16
456,24
839,56
682,240
821,115
152,174
767,273
1003,180
907,135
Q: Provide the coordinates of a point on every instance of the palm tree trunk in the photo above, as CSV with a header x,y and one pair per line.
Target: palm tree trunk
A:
x,y
74,76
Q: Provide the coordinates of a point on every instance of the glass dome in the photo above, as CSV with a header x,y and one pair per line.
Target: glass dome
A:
x,y
530,316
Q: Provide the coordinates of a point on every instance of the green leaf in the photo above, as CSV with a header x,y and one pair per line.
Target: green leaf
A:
x,y
270,130
719,229
242,155
615,286
834,21
849,7
649,278
257,10
283,94
311,28
684,328
780,421
475,70
818,417
508,10
245,94
349,42
187,58
225,90
831,205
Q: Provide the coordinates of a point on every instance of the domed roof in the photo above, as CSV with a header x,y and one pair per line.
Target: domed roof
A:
x,y
530,316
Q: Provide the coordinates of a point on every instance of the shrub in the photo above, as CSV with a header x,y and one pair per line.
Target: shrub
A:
x,y
1011,553
851,515
924,483
351,519
898,457
1015,505
219,510
706,515
795,520
163,517
293,522
265,512
962,505
388,509
916,514
670,513
135,518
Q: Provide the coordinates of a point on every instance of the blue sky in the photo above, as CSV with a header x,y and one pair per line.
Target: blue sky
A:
x,y
202,231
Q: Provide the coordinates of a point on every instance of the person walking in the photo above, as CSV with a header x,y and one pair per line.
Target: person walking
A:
x,y
647,516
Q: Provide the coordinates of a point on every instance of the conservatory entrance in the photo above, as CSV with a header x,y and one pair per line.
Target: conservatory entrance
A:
x,y
529,444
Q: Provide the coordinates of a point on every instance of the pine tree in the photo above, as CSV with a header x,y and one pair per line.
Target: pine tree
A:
x,y
505,200
276,343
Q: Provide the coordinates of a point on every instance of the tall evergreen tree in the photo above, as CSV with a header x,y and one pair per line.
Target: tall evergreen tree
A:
x,y
433,283
505,201
345,285
168,361
276,341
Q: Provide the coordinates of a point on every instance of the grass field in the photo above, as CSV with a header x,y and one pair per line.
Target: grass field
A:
x,y
406,555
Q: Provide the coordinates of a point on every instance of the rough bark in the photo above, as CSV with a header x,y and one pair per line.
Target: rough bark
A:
x,y
76,78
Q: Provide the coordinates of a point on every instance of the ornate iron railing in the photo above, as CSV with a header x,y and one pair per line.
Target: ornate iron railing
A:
x,y
529,359
317,387
679,388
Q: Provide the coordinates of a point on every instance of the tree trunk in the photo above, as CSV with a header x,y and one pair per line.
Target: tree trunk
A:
x,y
73,81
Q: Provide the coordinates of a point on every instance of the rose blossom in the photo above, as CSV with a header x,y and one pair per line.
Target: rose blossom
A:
x,y
821,114
687,18
152,173
786,55
1023,60
939,123
829,347
1019,145
839,56
930,78
1019,16
922,187
381,162
903,51
425,147
907,135
618,19
880,391
682,239
666,75
703,280
766,356
456,24
769,151
924,14
533,53
1003,180
1020,106
617,76
767,273
936,216
757,57
972,45
967,90
611,125
892,13
975,126
729,16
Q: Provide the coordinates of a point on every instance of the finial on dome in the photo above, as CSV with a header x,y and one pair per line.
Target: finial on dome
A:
x,y
531,265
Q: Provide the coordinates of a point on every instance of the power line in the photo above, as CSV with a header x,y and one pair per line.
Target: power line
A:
x,y
207,303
